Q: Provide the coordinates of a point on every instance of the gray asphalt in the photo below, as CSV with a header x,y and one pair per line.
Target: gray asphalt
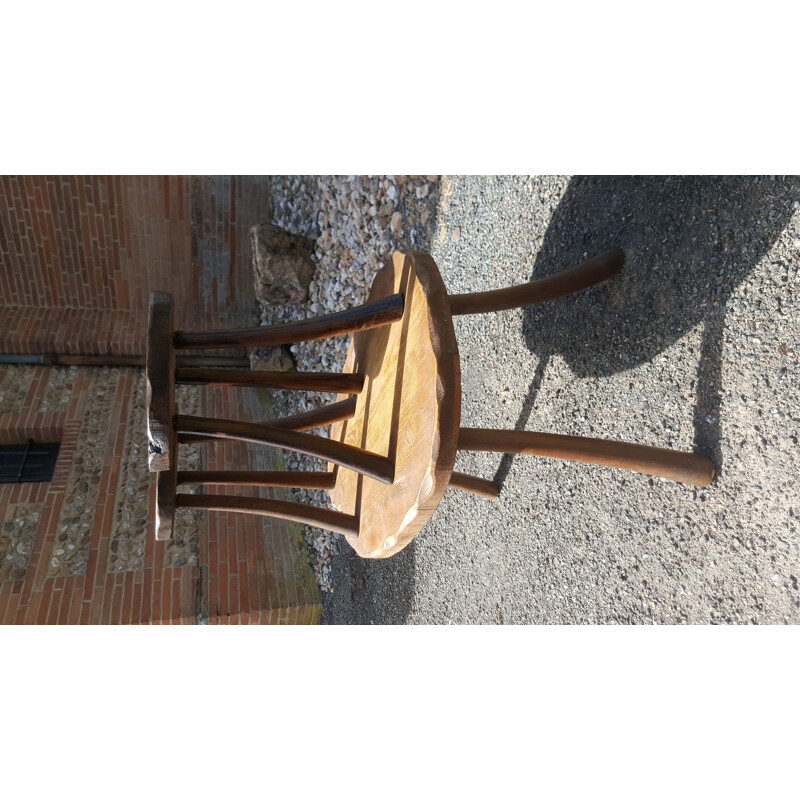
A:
x,y
693,347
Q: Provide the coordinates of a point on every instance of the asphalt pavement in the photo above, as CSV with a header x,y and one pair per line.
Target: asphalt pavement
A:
x,y
693,347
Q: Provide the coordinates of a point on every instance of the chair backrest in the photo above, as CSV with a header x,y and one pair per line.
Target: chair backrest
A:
x,y
167,429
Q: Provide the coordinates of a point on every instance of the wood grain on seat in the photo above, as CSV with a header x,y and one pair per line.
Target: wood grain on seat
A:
x,y
409,410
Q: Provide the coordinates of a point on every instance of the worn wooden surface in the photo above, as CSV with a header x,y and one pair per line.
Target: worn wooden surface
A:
x,y
408,412
159,375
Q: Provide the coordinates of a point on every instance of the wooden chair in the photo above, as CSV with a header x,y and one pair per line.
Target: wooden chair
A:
x,y
396,420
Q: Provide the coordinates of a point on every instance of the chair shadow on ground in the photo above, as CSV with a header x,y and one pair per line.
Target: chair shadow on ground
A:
x,y
688,242
680,235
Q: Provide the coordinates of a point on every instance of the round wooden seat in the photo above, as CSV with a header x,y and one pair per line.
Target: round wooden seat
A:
x,y
408,411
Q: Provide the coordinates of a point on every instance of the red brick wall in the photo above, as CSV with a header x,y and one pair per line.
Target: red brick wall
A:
x,y
246,570
79,259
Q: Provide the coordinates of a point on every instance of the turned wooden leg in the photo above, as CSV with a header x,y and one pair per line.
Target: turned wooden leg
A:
x,y
590,273
371,315
683,467
469,483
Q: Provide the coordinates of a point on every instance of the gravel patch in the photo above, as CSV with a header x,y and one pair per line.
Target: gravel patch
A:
x,y
357,222
693,347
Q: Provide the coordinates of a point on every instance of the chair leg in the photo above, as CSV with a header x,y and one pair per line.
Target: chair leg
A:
x,y
371,315
683,467
469,483
590,273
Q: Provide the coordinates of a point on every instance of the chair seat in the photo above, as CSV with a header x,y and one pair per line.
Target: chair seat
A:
x,y
409,410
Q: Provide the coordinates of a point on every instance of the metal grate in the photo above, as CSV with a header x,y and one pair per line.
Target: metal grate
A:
x,y
28,463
